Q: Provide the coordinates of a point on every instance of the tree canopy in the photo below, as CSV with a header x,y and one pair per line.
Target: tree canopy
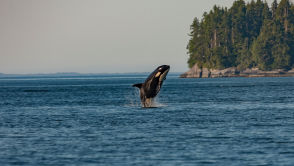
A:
x,y
246,35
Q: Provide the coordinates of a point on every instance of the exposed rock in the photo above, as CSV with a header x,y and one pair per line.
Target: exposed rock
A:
x,y
291,71
196,72
228,72
205,73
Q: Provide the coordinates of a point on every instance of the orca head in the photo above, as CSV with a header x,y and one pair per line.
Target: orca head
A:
x,y
161,72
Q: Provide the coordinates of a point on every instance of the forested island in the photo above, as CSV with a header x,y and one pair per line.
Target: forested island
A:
x,y
252,37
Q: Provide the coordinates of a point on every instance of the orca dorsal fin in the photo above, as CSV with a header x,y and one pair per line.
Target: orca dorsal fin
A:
x,y
138,85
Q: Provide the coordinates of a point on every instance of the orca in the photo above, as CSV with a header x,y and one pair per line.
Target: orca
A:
x,y
150,88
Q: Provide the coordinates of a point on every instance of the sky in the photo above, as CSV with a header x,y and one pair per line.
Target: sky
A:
x,y
97,36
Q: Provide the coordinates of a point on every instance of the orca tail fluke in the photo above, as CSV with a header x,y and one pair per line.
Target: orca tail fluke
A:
x,y
138,85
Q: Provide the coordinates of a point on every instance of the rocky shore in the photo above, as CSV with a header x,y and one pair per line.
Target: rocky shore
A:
x,y
196,72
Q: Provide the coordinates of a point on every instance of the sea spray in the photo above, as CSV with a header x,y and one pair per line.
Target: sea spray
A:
x,y
132,98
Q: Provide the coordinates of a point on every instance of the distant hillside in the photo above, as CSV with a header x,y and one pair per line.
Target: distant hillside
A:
x,y
244,36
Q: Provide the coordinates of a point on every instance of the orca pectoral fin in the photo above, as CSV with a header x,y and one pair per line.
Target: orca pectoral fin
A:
x,y
138,85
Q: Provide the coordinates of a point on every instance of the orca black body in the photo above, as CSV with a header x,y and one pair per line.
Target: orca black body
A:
x,y
150,88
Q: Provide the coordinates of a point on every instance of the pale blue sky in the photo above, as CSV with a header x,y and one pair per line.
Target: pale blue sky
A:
x,y
97,36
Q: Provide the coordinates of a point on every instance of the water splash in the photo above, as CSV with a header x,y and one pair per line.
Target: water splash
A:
x,y
157,103
153,103
132,99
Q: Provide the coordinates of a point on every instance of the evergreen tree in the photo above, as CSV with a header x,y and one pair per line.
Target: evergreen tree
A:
x,y
274,8
261,47
194,44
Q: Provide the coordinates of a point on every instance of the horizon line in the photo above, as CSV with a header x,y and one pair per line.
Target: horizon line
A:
x,y
75,73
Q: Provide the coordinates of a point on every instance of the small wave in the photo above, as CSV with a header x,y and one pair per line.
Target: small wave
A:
x,y
36,90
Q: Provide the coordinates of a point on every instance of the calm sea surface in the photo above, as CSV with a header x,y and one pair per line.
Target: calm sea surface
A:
x,y
97,120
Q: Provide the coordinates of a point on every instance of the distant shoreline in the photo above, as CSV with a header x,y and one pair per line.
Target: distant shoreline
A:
x,y
197,72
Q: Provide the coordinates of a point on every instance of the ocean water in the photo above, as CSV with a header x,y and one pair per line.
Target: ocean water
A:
x,y
98,120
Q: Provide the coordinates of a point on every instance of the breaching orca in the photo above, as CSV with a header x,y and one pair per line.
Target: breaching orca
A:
x,y
150,88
